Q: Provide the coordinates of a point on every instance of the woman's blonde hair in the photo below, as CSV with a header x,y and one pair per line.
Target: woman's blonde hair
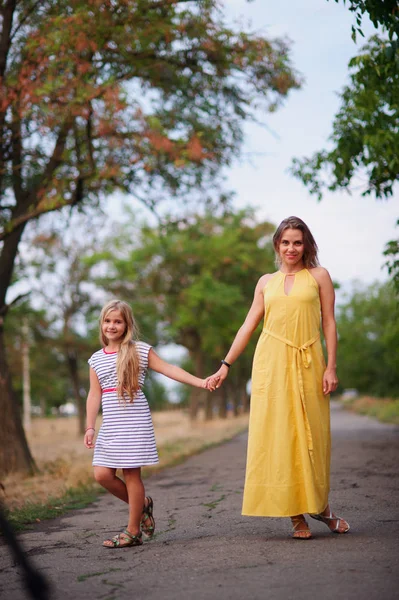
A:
x,y
127,363
310,258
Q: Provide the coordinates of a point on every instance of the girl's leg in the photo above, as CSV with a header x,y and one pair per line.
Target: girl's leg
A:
x,y
106,477
300,528
135,491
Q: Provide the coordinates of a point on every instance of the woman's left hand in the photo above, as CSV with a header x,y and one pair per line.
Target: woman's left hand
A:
x,y
330,381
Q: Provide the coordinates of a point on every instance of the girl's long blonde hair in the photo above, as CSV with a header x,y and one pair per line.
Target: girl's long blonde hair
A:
x,y
127,363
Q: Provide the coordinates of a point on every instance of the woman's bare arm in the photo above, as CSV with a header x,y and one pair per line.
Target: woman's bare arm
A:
x,y
246,330
327,301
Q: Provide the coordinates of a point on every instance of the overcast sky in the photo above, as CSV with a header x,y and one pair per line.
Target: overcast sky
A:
x,y
351,230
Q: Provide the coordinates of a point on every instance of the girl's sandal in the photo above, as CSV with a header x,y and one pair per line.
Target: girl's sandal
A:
x,y
327,520
123,540
300,534
147,522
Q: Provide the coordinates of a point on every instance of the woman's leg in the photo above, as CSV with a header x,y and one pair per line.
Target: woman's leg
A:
x,y
334,523
106,477
300,528
135,491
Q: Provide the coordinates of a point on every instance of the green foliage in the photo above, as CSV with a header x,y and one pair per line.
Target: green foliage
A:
x,y
192,280
148,97
368,351
155,393
381,13
365,134
392,253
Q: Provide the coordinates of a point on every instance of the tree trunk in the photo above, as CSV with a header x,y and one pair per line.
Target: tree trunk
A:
x,y
74,374
222,398
208,405
27,402
14,451
15,454
197,394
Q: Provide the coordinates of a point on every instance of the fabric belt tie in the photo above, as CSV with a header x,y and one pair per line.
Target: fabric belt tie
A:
x,y
109,390
302,358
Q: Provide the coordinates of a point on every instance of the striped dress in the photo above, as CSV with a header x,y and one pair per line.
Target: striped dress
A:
x,y
126,438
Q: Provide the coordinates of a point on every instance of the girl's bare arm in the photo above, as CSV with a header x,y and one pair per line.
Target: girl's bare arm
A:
x,y
156,363
92,407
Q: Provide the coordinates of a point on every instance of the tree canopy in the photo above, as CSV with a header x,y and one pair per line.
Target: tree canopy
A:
x,y
365,137
368,326
144,96
191,281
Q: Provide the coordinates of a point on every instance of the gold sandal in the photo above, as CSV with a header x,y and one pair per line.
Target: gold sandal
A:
x,y
296,533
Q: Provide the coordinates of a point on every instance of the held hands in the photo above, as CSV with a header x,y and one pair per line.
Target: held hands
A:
x,y
89,438
215,381
330,381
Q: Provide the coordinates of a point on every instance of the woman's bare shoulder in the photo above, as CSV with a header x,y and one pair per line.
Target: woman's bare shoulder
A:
x,y
320,274
264,279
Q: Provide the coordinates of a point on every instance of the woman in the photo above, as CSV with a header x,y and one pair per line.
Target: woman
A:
x,y
288,461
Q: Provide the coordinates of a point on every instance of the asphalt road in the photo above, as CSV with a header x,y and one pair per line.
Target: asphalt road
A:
x,y
205,550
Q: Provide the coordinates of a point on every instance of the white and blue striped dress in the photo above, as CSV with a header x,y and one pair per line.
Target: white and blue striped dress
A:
x,y
126,438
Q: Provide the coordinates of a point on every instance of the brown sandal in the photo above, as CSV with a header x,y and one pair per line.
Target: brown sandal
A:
x,y
147,515
126,538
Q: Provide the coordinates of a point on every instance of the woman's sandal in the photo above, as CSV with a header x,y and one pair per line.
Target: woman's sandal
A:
x,y
329,519
124,540
148,529
300,534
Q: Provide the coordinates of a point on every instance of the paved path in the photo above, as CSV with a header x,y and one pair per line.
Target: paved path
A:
x,y
205,549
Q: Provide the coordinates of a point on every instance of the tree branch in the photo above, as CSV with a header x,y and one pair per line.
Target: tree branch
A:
x,y
42,209
5,38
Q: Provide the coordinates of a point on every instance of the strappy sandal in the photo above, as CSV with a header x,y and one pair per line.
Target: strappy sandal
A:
x,y
147,515
327,520
296,533
132,540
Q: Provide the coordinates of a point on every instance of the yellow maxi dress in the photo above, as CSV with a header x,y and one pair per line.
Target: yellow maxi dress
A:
x,y
288,460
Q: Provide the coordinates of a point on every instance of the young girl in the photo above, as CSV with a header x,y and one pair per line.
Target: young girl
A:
x,y
126,438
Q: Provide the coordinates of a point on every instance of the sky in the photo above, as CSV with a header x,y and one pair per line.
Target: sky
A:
x,y
350,230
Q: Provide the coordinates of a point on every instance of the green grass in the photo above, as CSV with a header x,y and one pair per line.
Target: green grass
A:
x,y
74,498
383,409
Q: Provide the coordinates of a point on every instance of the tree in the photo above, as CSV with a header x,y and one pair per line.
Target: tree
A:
x,y
191,281
365,136
60,279
368,327
380,12
145,96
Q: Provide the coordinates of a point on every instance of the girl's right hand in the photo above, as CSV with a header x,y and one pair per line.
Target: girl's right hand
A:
x,y
89,439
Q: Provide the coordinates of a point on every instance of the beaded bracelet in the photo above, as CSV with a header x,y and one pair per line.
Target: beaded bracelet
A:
x,y
87,429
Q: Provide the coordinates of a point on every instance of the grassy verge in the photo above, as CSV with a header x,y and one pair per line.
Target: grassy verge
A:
x,y
35,512
63,485
383,409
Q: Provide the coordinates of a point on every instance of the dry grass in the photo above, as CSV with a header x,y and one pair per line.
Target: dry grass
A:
x,y
383,409
65,463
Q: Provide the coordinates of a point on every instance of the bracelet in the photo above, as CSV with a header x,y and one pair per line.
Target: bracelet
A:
x,y
87,429
225,363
